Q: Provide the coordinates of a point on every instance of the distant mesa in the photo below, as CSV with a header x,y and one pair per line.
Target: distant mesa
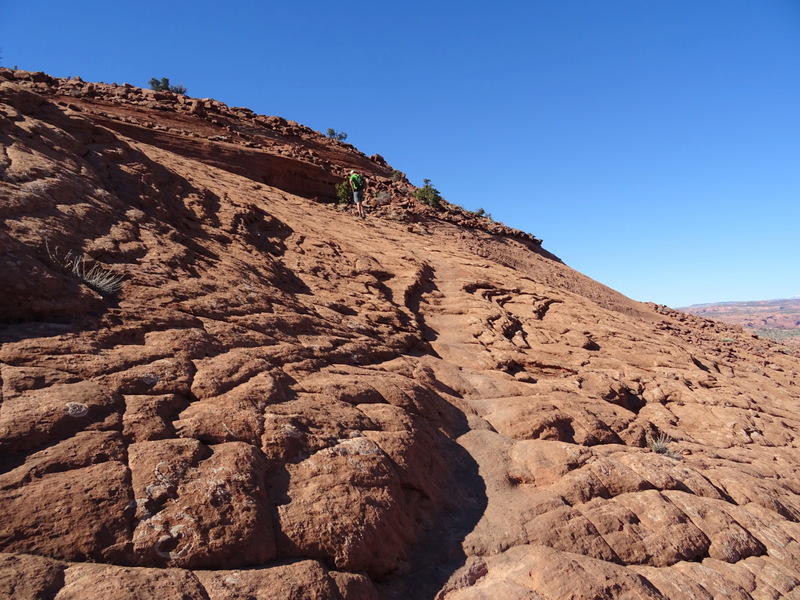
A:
x,y
778,320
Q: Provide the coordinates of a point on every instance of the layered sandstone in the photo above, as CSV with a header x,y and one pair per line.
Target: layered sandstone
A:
x,y
283,401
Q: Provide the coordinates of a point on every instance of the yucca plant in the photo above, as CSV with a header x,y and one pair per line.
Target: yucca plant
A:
x,y
660,444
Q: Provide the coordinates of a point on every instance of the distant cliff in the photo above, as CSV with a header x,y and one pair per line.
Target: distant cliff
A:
x,y
778,320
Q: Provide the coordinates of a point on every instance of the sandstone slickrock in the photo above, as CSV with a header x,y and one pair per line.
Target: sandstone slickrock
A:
x,y
285,402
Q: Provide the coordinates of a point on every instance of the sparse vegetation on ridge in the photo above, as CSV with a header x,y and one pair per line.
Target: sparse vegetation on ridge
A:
x,y
428,194
336,135
163,85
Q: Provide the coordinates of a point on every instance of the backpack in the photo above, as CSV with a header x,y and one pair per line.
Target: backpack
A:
x,y
358,181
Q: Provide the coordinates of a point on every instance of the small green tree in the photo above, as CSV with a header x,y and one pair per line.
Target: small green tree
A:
x,y
428,194
344,193
163,85
336,135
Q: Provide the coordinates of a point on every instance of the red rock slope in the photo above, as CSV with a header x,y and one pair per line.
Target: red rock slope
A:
x,y
283,401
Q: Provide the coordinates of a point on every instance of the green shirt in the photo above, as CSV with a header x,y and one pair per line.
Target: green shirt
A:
x,y
357,181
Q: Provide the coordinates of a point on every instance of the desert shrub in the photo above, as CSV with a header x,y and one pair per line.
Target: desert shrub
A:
x,y
336,135
660,444
343,192
382,198
96,277
429,195
398,175
163,85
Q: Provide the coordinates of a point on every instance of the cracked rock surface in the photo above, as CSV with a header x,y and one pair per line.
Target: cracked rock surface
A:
x,y
283,401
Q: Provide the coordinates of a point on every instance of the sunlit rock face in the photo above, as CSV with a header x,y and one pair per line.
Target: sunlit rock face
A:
x,y
258,395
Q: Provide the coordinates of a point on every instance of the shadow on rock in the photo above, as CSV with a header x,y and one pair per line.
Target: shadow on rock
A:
x,y
438,552
368,477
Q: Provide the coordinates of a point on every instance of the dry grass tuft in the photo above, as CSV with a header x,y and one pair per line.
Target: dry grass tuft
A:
x,y
660,444
96,277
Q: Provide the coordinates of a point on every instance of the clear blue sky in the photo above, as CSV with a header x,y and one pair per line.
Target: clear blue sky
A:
x,y
654,145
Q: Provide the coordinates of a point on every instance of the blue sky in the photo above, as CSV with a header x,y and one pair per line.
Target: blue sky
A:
x,y
654,145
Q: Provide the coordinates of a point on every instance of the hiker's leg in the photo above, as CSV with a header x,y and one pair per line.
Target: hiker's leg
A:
x,y
358,198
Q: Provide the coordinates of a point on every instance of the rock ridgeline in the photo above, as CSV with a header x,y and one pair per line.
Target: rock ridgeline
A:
x,y
266,149
283,401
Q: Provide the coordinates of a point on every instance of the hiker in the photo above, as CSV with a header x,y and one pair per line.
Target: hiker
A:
x,y
358,184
